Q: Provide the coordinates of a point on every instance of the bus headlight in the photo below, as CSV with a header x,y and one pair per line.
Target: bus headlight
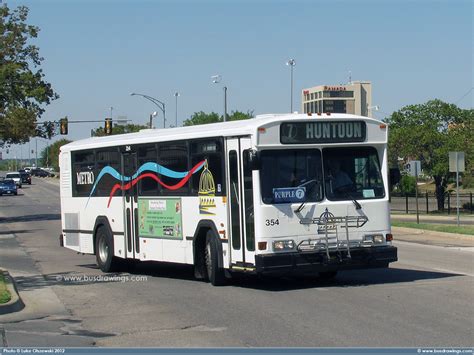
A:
x,y
374,238
282,245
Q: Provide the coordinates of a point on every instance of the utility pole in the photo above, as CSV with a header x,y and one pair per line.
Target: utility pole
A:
x,y
291,63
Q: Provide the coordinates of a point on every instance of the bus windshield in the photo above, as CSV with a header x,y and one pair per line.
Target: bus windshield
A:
x,y
347,174
291,170
352,173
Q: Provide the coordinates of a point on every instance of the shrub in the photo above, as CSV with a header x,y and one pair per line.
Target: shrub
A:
x,y
408,184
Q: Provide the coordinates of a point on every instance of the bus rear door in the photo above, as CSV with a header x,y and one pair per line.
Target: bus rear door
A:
x,y
130,205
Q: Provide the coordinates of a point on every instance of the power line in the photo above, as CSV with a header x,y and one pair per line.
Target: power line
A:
x,y
467,93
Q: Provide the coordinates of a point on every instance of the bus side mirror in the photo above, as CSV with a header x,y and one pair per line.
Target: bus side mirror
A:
x,y
251,159
394,176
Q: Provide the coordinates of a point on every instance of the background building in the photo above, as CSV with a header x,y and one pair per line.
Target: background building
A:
x,y
354,98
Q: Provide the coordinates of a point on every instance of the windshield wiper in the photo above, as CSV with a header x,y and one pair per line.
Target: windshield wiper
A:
x,y
310,189
354,201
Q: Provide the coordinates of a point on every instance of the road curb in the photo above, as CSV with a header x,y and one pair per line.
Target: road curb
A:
x,y
15,304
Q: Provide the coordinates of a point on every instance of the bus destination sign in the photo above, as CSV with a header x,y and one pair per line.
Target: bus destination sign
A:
x,y
322,132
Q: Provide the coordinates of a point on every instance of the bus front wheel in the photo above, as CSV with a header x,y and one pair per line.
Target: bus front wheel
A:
x,y
104,250
215,274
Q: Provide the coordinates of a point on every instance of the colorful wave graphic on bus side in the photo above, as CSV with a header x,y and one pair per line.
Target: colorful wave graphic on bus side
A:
x,y
152,169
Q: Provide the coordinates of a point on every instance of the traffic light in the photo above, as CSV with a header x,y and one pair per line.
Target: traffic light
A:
x,y
108,126
63,125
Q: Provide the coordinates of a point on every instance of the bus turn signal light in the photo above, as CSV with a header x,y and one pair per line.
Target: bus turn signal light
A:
x,y
389,237
262,245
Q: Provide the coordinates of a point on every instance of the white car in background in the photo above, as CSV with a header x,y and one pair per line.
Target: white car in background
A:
x,y
15,177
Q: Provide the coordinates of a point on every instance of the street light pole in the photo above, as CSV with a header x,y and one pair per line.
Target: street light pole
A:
x,y
291,63
176,94
161,105
151,118
225,103
216,79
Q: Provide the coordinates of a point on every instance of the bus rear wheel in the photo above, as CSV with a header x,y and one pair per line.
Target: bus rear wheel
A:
x,y
215,274
104,250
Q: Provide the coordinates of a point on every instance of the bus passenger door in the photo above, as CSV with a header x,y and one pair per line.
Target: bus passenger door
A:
x,y
130,204
241,204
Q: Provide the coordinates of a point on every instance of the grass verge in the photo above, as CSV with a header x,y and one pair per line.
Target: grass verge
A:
x,y
447,228
4,294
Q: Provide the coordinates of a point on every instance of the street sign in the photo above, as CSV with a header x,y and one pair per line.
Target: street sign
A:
x,y
456,159
413,167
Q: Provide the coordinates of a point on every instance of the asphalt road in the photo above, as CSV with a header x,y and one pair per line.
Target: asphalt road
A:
x,y
423,300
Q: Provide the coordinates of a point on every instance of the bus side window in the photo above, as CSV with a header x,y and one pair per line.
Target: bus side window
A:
x,y
210,150
106,157
83,163
173,156
147,186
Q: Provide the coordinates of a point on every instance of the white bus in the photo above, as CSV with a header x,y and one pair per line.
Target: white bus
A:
x,y
276,193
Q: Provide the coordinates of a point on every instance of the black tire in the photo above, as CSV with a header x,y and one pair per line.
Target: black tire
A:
x,y
215,274
327,275
104,250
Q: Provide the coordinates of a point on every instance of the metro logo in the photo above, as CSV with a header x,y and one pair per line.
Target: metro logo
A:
x,y
85,178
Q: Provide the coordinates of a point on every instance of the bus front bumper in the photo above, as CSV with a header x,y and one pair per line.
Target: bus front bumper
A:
x,y
318,261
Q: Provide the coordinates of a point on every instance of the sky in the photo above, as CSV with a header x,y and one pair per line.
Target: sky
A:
x,y
97,52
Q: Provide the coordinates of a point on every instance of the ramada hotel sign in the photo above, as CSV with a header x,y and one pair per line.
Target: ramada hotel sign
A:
x,y
323,132
329,88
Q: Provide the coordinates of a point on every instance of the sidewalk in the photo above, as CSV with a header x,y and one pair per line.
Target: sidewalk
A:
x,y
44,321
421,236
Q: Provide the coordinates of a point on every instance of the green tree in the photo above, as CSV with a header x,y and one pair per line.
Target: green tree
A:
x,y
201,117
428,132
119,129
50,155
238,115
23,90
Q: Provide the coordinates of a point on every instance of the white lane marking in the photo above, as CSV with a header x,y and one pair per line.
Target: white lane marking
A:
x,y
467,249
7,236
